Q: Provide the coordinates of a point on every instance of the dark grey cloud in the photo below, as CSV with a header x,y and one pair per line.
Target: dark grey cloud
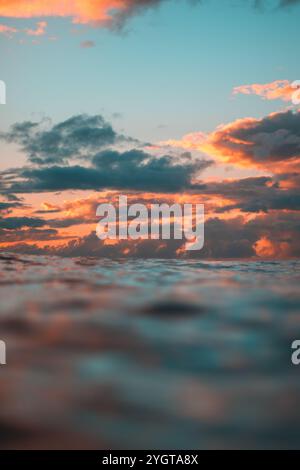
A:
x,y
77,137
51,211
223,239
134,7
260,194
132,170
32,234
235,238
70,221
13,223
85,136
273,139
19,223
7,206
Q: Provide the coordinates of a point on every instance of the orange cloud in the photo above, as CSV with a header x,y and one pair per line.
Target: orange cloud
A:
x,y
220,144
271,143
266,248
48,207
277,90
274,233
81,11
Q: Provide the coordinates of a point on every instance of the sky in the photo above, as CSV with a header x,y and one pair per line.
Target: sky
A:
x,y
173,100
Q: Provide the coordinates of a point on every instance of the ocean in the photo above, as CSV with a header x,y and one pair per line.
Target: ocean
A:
x,y
148,354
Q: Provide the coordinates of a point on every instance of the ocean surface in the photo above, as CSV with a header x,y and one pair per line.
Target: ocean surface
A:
x,y
151,354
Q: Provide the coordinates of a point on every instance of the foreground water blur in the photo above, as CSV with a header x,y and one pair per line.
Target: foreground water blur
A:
x,y
148,354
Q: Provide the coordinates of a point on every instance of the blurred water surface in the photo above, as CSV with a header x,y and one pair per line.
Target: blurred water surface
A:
x,y
148,354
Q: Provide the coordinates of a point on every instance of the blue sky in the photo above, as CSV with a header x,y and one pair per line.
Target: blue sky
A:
x,y
171,72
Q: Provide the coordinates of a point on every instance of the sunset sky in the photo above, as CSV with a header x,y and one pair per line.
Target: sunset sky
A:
x,y
174,100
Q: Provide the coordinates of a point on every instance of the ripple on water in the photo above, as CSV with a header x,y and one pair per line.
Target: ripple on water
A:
x,y
148,354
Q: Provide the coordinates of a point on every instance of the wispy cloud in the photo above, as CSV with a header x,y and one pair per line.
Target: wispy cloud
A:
x,y
40,29
7,30
277,90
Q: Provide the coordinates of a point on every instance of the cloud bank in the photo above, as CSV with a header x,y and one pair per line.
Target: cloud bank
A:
x,y
272,142
246,217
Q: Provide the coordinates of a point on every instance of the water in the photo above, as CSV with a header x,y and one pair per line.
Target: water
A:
x,y
148,354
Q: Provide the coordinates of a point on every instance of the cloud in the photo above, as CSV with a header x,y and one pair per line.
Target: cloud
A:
x,y
233,238
53,152
87,44
94,12
249,217
271,143
131,170
267,236
76,137
277,90
39,31
13,223
48,208
254,195
7,30
97,13
30,234
192,141
7,206
274,235
258,142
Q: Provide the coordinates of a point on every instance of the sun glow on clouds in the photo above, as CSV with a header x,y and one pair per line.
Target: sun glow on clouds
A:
x,y
277,90
246,215
81,11
271,143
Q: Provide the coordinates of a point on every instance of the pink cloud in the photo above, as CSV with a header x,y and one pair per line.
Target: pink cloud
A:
x,y
39,31
7,30
277,90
